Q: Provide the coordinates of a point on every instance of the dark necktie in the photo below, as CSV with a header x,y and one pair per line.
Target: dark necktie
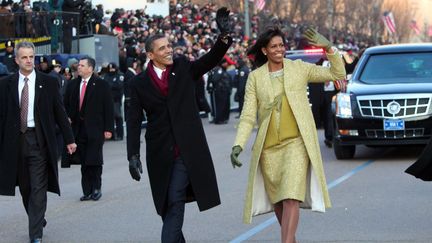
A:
x,y
24,105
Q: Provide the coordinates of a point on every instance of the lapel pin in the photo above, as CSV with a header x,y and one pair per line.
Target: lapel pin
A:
x,y
40,86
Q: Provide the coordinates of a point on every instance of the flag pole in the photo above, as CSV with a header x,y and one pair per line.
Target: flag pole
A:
x,y
247,20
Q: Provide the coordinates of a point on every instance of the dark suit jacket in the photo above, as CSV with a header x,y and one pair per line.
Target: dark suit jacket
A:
x,y
174,120
48,111
97,114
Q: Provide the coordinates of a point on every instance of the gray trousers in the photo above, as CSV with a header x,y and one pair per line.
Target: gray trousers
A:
x,y
33,181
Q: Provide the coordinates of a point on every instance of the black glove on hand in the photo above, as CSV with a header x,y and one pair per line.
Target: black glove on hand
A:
x,y
135,167
236,150
223,21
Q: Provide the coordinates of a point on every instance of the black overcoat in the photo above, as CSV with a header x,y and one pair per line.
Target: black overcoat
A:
x,y
174,120
422,168
96,112
48,111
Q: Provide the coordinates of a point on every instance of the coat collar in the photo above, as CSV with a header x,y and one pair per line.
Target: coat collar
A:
x,y
13,86
39,86
264,75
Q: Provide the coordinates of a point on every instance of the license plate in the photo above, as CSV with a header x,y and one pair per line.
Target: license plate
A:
x,y
394,125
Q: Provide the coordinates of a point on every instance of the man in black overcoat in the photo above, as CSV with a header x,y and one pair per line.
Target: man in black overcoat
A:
x,y
89,105
179,163
30,109
422,168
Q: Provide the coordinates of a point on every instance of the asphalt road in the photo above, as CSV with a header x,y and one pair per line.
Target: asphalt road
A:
x,y
373,201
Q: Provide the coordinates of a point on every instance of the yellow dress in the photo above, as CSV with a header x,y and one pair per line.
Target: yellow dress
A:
x,y
284,161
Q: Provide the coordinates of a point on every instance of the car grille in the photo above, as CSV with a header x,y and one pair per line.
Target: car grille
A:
x,y
407,133
404,106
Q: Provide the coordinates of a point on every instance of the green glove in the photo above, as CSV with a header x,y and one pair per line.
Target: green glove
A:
x,y
316,39
236,150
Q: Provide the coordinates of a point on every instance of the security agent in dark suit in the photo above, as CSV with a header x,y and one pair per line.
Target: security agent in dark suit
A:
x,y
179,163
89,105
30,109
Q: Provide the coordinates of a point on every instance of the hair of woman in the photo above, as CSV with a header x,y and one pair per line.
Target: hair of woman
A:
x,y
262,41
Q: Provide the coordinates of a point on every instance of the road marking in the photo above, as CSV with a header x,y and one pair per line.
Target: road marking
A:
x,y
255,230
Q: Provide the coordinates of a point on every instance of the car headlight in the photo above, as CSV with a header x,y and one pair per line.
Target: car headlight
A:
x,y
343,105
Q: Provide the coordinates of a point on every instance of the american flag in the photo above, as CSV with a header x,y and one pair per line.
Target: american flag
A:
x,y
389,22
413,25
259,4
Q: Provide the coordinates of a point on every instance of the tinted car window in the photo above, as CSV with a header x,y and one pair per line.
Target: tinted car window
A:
x,y
398,68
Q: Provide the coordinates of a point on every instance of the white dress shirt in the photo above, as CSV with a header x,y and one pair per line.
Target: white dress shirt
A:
x,y
158,71
31,85
82,83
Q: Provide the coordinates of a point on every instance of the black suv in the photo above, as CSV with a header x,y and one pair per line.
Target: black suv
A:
x,y
388,100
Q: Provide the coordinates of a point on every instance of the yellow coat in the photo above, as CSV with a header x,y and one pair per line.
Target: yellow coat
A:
x,y
258,100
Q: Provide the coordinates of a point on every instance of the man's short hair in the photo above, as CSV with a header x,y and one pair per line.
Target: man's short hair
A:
x,y
23,44
91,61
151,40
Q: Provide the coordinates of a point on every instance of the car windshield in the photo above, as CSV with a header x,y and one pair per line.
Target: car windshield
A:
x,y
398,68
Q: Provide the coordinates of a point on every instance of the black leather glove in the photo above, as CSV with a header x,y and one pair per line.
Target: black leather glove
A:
x,y
135,167
223,21
236,150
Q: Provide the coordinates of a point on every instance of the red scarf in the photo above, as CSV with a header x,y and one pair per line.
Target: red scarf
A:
x,y
161,84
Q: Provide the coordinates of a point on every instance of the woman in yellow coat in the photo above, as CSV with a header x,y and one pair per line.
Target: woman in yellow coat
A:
x,y
286,170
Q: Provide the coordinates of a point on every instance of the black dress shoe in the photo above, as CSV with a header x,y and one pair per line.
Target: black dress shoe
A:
x,y
86,197
38,240
97,194
44,223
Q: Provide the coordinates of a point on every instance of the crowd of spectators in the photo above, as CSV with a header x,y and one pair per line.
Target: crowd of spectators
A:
x,y
20,19
191,28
